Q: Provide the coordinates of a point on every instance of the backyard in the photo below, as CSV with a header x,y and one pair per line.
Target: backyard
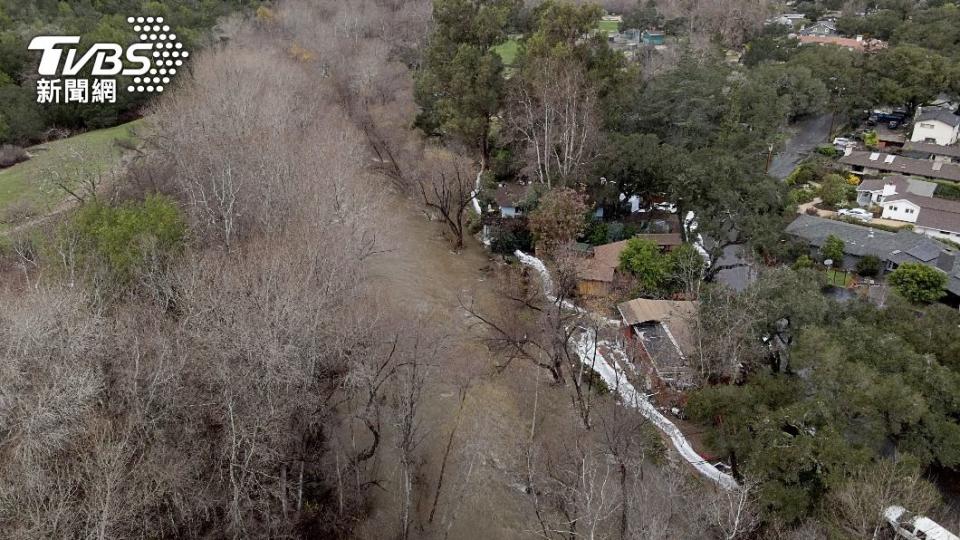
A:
x,y
839,278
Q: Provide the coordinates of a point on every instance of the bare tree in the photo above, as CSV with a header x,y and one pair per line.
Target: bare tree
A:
x,y
735,512
552,109
857,508
444,188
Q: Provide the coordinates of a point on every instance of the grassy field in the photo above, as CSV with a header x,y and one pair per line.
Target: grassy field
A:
x,y
609,26
25,187
508,51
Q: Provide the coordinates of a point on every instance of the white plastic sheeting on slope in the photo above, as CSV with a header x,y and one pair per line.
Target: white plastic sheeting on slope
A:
x,y
690,222
547,283
616,379
476,194
613,375
916,527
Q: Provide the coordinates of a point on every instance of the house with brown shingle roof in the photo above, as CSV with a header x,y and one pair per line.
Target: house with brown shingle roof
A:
x,y
665,331
597,269
880,162
932,151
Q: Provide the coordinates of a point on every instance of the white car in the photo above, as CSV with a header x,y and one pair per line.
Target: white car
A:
x,y
666,207
842,143
856,213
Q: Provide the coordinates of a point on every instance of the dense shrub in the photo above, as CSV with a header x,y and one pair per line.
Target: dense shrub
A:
x,y
832,249
868,266
828,150
803,261
919,283
947,191
833,190
802,196
597,232
119,242
11,155
510,236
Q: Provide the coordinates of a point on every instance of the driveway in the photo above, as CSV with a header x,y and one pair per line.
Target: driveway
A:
x,y
802,209
807,135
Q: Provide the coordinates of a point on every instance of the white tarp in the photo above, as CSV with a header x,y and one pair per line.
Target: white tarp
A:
x,y
612,373
611,370
916,527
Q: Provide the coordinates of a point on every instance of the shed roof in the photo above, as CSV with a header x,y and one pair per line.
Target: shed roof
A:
x,y
675,315
511,195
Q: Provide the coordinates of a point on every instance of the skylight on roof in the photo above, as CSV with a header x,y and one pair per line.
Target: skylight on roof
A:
x,y
874,156
889,159
937,165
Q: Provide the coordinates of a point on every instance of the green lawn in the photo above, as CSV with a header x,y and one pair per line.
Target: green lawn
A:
x,y
508,51
610,27
839,278
23,187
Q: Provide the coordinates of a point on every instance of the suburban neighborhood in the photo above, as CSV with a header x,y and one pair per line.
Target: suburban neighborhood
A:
x,y
498,269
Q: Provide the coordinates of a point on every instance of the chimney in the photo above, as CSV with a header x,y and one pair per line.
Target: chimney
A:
x,y
848,150
946,260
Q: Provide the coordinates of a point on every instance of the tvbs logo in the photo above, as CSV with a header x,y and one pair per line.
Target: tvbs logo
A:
x,y
152,62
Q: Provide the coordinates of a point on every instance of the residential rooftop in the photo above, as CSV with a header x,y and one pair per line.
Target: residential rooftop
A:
x,y
936,113
899,247
931,149
903,165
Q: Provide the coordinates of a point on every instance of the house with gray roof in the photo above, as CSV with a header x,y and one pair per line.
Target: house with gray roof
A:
x,y
819,28
511,199
936,125
875,191
893,249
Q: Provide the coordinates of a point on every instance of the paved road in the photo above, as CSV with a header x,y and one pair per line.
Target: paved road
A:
x,y
808,133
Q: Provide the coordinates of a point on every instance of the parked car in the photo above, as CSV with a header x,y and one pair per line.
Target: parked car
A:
x,y
666,207
842,143
855,213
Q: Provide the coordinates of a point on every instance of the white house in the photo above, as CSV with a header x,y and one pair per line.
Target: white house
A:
x,y
871,192
900,210
935,125
939,218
